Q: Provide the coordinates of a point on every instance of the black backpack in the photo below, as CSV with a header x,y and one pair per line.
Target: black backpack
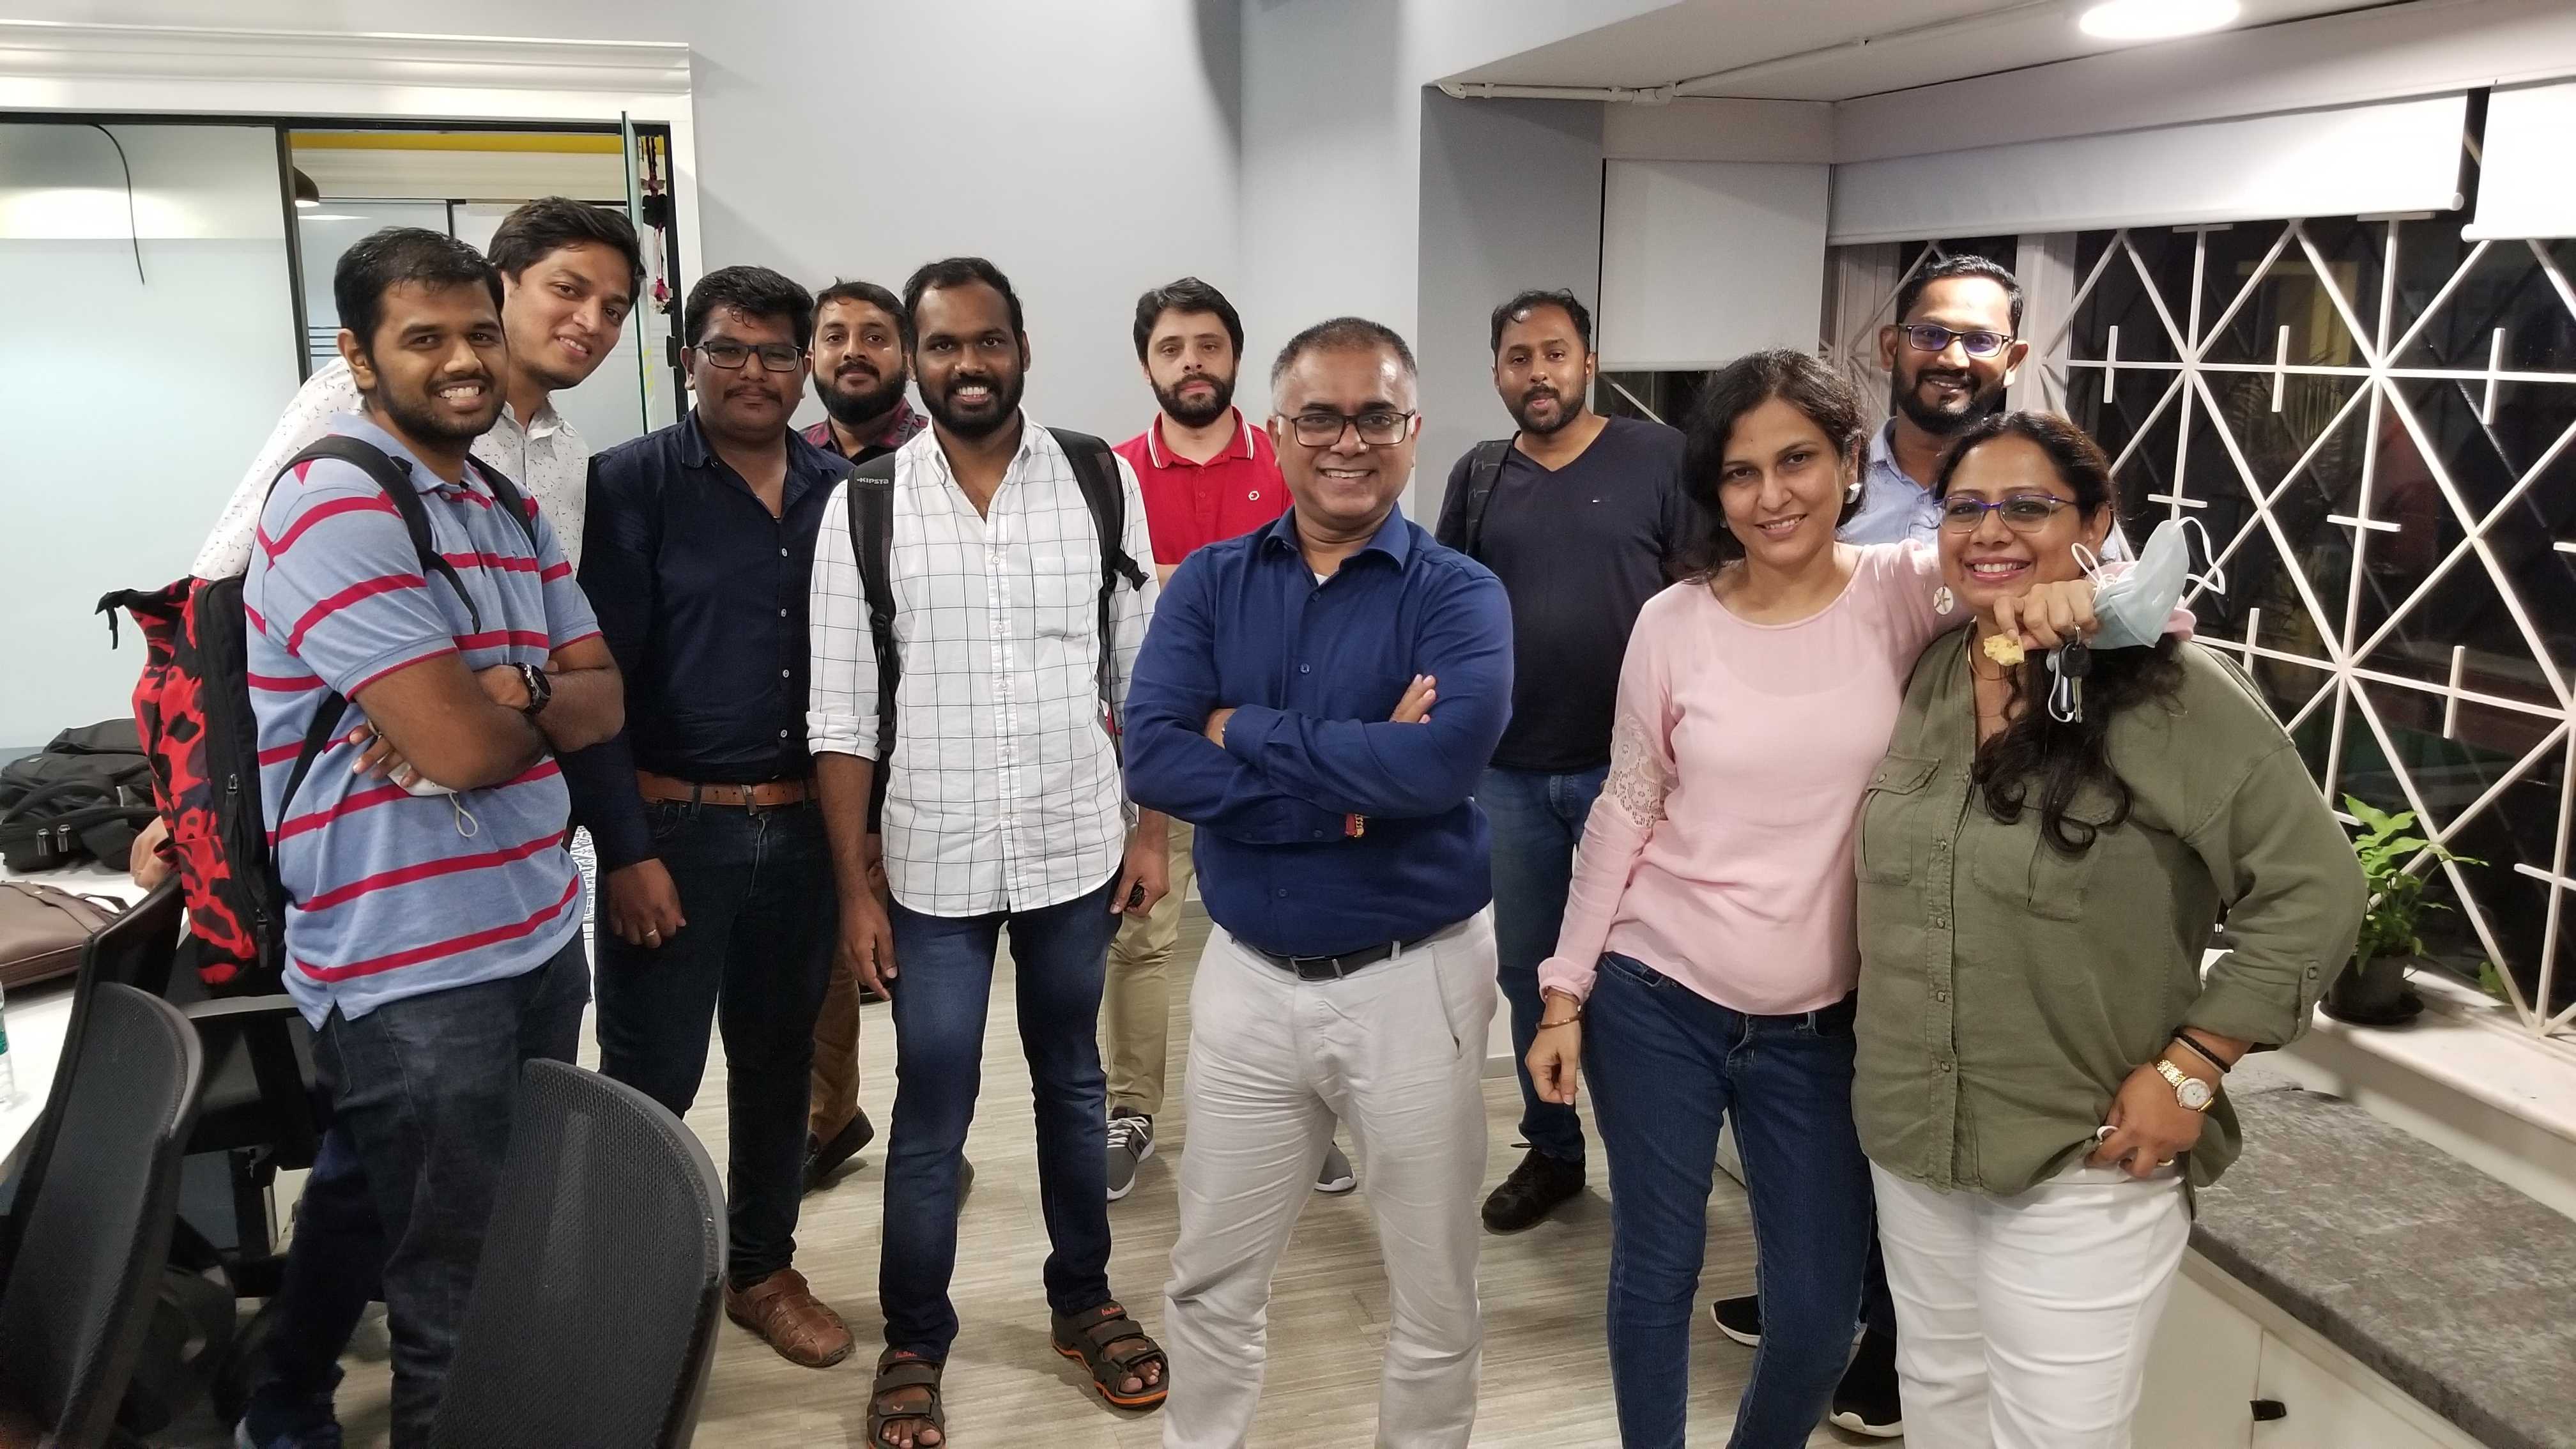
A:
x,y
1484,465
83,797
192,709
1095,470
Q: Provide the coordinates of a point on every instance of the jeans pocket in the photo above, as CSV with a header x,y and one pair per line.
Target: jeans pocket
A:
x,y
1635,970
664,818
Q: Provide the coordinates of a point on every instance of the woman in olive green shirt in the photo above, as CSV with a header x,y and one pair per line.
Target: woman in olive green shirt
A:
x,y
2039,1057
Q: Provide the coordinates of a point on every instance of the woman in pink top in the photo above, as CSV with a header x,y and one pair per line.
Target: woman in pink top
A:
x,y
1706,963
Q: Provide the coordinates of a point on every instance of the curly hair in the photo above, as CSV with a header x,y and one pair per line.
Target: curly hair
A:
x,y
2038,753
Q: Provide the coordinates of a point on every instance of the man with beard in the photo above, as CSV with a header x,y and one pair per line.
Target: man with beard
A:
x,y
1320,696
1004,810
718,876
860,340
433,918
861,336
1206,477
1582,519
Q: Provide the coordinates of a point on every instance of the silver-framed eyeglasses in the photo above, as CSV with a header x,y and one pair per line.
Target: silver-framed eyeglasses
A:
x,y
1933,337
2021,512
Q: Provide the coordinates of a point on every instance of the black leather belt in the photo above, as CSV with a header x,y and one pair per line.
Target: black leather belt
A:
x,y
1334,968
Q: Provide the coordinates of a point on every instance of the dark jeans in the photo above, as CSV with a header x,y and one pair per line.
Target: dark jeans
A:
x,y
756,890
1058,955
1667,1067
421,1094
1537,821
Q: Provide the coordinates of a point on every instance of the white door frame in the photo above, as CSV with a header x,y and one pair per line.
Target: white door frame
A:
x,y
277,75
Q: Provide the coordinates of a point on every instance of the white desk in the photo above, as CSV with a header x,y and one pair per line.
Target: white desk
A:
x,y
39,1015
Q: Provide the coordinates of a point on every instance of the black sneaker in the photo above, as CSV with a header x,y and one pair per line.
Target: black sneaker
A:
x,y
1739,1318
1534,1190
1866,1400
822,1159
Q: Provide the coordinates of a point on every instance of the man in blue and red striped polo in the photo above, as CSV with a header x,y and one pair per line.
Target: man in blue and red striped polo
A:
x,y
433,918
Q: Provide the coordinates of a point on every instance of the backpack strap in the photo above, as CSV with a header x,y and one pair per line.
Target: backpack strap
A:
x,y
393,475
1095,471
507,494
1484,465
872,545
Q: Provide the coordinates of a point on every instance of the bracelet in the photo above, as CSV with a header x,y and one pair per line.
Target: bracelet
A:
x,y
1569,1021
2184,1036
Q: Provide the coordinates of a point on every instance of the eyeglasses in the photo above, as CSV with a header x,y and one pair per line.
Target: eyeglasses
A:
x,y
1933,337
1378,427
774,356
2022,512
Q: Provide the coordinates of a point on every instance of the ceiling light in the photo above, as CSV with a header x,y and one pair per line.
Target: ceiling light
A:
x,y
2155,19
306,193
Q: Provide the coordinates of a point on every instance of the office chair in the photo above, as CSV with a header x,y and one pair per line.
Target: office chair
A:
x,y
92,1229
595,1306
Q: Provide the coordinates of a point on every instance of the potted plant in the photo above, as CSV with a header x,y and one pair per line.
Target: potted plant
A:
x,y
2372,990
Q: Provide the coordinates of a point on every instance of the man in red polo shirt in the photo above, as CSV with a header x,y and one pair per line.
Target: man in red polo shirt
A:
x,y
1207,476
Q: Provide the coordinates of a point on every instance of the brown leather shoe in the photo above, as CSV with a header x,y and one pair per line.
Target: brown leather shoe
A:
x,y
781,1309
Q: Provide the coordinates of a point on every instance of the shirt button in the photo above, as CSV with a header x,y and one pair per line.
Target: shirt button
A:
x,y
782,613
1305,669
782,674
782,734
1940,996
1283,893
782,553
1945,1067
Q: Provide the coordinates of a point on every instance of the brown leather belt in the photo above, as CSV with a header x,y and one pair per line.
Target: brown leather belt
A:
x,y
767,794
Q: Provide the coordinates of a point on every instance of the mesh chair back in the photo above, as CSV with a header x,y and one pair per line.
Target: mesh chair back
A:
x,y
594,1309
95,1230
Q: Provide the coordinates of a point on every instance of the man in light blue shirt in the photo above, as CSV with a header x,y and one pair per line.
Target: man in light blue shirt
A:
x,y
1952,350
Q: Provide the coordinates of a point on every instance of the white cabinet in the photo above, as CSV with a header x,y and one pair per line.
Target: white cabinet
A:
x,y
2201,1374
2222,1347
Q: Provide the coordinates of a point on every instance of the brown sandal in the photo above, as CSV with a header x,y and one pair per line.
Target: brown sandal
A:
x,y
1108,1343
898,1370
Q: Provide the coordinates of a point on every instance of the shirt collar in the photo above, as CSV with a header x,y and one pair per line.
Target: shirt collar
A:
x,y
1394,537
1882,458
1162,456
806,462
366,430
899,428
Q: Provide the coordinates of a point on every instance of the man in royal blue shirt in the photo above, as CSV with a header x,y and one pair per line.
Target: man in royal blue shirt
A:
x,y
1319,698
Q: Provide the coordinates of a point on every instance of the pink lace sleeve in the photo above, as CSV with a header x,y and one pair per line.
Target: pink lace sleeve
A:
x,y
1631,805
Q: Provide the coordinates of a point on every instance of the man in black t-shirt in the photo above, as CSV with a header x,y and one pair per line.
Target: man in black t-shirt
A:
x,y
1583,523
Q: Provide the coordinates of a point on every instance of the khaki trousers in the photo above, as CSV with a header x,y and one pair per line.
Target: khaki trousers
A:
x,y
1136,1001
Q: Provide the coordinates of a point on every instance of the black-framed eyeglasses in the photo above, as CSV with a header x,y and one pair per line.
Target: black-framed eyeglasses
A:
x,y
1933,337
774,356
1378,427
2022,512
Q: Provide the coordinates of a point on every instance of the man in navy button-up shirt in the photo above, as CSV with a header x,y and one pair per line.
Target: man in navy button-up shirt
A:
x,y
717,875
1319,697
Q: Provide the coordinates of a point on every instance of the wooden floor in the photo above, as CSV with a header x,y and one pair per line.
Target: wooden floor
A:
x,y
1545,1379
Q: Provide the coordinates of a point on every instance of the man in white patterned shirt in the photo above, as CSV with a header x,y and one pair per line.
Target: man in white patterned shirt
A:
x,y
1005,807
569,274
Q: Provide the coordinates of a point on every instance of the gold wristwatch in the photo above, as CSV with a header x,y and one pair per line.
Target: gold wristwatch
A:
x,y
2189,1090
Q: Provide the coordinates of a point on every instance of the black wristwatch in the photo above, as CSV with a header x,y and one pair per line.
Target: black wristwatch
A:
x,y
541,690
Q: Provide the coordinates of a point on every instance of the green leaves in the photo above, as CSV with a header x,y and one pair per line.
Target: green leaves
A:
x,y
2386,845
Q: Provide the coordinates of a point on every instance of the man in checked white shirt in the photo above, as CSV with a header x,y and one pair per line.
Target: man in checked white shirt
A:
x,y
1005,808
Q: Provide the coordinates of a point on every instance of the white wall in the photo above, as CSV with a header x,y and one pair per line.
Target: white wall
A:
x,y
1088,150
1511,199
128,408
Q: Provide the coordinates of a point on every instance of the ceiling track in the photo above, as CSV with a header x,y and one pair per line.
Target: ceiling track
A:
x,y
1699,86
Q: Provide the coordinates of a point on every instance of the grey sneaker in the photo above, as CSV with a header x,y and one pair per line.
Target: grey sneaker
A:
x,y
1336,1178
1131,1141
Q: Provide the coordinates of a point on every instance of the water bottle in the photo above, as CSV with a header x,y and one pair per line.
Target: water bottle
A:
x,y
8,1067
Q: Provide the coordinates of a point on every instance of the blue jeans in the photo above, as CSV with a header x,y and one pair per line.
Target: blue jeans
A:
x,y
421,1095
1058,954
756,889
1537,820
1667,1067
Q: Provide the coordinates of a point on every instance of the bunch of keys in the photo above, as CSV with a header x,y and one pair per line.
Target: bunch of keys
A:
x,y
2068,664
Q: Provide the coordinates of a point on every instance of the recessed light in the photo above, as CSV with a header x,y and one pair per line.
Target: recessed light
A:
x,y
2155,19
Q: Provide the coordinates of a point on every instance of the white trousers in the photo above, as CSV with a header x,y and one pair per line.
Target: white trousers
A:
x,y
1394,1052
2023,1322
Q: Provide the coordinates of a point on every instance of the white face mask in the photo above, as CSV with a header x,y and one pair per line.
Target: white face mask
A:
x,y
2135,605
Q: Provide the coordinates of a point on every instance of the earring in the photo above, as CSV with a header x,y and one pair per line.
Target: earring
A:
x,y
1852,494
1942,600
